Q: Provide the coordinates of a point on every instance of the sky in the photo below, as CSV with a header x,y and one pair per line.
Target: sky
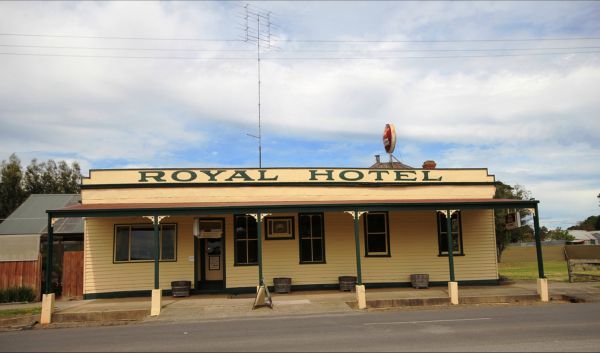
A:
x,y
509,86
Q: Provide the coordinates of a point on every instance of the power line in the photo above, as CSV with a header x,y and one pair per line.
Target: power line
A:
x,y
116,37
295,50
294,58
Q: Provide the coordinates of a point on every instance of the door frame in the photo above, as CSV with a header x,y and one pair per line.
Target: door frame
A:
x,y
199,247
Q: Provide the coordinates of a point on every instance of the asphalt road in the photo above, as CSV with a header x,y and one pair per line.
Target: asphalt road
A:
x,y
552,327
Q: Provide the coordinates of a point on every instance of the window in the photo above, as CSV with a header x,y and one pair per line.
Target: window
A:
x,y
457,248
136,242
312,238
246,240
377,239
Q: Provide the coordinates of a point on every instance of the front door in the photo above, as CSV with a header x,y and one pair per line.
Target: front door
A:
x,y
213,263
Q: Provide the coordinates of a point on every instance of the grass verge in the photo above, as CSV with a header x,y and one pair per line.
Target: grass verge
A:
x,y
554,270
8,313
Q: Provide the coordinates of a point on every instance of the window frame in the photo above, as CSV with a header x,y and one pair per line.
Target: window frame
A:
x,y
300,238
461,249
235,242
388,253
160,243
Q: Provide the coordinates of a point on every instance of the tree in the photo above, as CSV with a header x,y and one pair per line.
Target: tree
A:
x,y
38,178
590,223
523,233
559,234
11,186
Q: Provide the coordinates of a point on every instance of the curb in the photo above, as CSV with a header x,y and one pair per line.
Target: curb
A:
x,y
19,323
497,299
101,316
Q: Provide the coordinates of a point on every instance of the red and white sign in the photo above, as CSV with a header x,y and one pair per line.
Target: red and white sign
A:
x,y
389,138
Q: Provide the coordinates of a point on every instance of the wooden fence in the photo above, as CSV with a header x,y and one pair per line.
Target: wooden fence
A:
x,y
22,274
72,276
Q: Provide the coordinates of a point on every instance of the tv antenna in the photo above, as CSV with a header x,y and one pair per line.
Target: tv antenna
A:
x,y
257,28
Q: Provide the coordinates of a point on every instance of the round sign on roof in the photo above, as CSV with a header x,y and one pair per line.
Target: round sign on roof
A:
x,y
389,138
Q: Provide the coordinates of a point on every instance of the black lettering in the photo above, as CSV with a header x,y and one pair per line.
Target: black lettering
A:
x,y
191,175
344,176
403,175
158,175
240,174
379,173
426,176
262,176
212,176
314,174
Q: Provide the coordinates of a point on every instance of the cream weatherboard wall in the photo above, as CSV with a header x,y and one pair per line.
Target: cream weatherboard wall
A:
x,y
413,246
101,275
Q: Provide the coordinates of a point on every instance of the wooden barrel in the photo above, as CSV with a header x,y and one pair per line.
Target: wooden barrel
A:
x,y
347,283
420,280
282,284
181,288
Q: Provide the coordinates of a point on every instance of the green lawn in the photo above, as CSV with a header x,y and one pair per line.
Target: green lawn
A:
x,y
554,270
19,312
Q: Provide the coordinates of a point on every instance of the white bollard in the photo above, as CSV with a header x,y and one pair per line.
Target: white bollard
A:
x,y
361,296
542,289
47,308
156,302
453,292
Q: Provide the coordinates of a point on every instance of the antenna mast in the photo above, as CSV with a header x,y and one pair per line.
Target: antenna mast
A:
x,y
253,35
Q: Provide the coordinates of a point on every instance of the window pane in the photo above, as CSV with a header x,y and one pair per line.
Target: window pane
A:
x,y
304,225
240,256
455,223
240,227
376,243
252,251
317,226
142,243
122,244
252,234
443,242
168,242
317,249
376,222
305,250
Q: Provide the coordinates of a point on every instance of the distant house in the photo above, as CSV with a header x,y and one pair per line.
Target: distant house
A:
x,y
23,235
585,237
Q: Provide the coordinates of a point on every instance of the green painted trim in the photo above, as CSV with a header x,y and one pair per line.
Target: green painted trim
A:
x,y
49,255
450,245
460,237
115,225
235,263
261,280
309,208
357,247
538,244
271,184
125,294
200,258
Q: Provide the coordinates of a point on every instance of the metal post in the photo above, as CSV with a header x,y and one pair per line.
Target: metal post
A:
x,y
196,262
49,254
258,233
156,252
357,246
450,244
538,242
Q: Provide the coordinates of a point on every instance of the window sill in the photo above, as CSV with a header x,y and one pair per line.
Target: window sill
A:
x,y
382,255
453,255
241,265
312,263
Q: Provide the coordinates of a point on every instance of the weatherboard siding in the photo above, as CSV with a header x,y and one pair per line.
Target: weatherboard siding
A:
x,y
413,247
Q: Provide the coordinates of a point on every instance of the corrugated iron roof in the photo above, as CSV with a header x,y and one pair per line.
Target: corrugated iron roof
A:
x,y
31,217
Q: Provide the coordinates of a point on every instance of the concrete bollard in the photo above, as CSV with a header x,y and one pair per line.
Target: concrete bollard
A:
x,y
47,308
361,296
453,292
156,302
542,289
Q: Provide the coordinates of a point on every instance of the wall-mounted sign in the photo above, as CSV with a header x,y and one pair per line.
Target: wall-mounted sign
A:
x,y
279,228
214,263
513,220
389,138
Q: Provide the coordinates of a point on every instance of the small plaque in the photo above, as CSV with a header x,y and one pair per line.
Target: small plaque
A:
x,y
190,258
214,263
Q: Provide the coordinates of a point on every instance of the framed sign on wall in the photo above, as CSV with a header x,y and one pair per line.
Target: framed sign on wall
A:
x,y
279,228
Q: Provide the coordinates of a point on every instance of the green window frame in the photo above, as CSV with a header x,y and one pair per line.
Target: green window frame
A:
x,y
311,238
245,241
377,234
135,243
457,241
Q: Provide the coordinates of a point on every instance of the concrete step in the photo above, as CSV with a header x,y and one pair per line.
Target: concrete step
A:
x,y
101,316
496,299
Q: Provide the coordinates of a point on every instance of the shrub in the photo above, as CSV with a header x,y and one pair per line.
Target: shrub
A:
x,y
17,294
